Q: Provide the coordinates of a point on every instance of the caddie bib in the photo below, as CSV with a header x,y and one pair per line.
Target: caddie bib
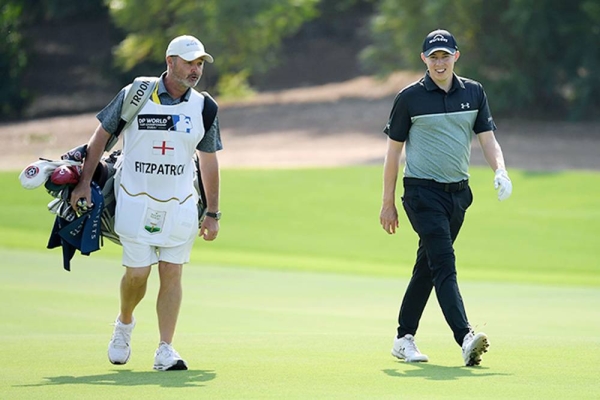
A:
x,y
156,199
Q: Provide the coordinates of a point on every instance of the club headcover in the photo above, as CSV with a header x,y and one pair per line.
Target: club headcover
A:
x,y
66,175
37,173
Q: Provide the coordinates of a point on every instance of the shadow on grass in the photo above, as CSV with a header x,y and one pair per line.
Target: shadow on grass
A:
x,y
189,378
438,372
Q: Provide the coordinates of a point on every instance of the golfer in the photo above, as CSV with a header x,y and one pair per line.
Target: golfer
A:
x,y
433,120
156,214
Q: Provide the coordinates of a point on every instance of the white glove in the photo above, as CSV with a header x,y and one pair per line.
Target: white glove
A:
x,y
503,184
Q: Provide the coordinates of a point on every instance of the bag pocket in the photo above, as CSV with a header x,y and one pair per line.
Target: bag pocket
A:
x,y
129,215
185,224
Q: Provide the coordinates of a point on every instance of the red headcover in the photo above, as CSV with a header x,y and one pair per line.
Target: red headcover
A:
x,y
66,175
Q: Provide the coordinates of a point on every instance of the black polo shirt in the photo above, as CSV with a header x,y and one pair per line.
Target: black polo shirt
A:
x,y
438,126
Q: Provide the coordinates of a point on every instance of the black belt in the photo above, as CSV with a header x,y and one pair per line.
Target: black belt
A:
x,y
446,187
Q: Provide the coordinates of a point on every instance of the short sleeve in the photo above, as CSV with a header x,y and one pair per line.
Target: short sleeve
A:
x,y
211,142
399,122
484,121
110,115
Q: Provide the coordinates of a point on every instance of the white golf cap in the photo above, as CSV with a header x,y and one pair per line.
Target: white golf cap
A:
x,y
189,48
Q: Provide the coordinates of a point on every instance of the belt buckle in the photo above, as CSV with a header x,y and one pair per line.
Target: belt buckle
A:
x,y
454,186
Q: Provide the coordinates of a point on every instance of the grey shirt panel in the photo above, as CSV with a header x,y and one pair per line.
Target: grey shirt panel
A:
x,y
432,153
110,116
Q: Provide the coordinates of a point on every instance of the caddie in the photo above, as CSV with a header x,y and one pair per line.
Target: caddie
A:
x,y
156,214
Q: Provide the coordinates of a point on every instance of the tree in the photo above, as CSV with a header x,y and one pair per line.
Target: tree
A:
x,y
243,36
13,61
536,57
60,10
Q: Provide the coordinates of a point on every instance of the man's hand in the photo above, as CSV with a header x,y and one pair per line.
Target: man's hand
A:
x,y
388,218
81,191
503,184
209,228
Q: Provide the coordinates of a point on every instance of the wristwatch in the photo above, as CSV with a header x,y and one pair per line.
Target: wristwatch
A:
x,y
215,215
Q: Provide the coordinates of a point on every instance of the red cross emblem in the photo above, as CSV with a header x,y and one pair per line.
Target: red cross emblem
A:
x,y
162,147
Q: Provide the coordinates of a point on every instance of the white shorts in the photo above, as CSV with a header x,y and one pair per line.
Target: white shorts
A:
x,y
137,255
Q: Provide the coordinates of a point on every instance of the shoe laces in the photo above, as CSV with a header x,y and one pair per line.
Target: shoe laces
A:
x,y
166,350
121,336
410,345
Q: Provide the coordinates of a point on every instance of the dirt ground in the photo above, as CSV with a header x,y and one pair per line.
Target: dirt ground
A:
x,y
328,125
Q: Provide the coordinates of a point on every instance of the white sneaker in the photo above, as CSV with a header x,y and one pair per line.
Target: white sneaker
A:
x,y
406,349
167,359
473,347
119,349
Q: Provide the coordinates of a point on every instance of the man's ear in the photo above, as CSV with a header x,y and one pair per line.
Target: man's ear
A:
x,y
456,56
423,58
170,61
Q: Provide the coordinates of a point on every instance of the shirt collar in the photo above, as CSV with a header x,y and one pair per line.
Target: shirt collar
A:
x,y
430,85
162,89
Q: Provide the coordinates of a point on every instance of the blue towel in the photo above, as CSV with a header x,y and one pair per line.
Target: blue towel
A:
x,y
81,234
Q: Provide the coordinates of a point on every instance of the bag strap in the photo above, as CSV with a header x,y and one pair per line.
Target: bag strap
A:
x,y
140,91
209,113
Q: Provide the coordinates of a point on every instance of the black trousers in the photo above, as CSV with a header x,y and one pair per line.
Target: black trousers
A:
x,y
436,213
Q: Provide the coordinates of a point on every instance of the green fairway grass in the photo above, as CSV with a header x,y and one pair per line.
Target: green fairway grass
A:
x,y
262,334
328,220
298,297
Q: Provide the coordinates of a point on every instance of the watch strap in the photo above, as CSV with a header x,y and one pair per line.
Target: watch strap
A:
x,y
216,215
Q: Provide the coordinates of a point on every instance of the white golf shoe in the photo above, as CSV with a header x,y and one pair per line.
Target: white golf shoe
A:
x,y
474,345
167,359
119,348
406,349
